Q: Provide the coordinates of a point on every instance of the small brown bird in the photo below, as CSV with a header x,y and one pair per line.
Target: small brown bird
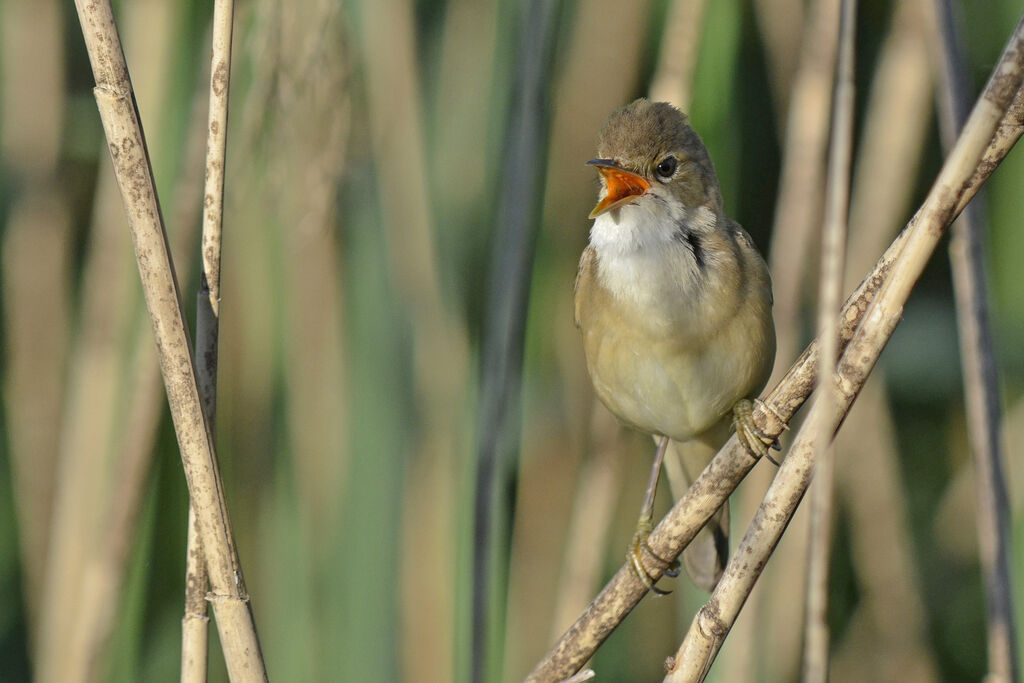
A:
x,y
675,307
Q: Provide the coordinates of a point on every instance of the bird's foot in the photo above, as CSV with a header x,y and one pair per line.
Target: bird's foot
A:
x,y
750,435
638,547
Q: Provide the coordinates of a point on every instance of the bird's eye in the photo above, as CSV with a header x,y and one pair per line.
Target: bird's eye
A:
x,y
667,167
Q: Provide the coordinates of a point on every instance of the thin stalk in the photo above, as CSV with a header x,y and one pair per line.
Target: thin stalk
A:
x,y
194,629
801,184
833,247
127,146
732,463
980,377
807,67
677,59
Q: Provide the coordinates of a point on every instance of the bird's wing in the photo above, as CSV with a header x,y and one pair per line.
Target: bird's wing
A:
x,y
586,264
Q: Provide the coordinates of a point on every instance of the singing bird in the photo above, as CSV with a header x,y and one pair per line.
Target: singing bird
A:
x,y
674,304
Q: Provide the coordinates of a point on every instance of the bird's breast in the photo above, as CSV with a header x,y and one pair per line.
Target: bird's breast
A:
x,y
667,361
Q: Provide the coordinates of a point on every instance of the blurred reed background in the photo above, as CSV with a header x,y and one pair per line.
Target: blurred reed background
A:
x,y
365,161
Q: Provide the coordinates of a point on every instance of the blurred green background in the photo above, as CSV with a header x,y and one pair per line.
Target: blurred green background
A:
x,y
366,158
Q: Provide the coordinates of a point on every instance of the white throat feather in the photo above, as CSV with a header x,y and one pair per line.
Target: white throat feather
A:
x,y
646,255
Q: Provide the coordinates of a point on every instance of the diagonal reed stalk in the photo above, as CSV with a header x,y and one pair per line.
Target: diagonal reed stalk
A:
x,y
127,146
995,126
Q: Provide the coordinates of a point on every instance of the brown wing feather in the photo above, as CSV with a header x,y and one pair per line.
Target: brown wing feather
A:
x,y
586,263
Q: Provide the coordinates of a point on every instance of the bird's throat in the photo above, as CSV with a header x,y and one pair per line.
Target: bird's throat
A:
x,y
650,258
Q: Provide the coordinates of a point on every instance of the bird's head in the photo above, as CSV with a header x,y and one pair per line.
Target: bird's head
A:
x,y
648,153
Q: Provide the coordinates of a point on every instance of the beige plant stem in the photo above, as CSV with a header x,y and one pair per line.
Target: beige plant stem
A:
x,y
798,212
127,148
837,195
801,184
195,623
194,628
677,57
981,382
890,619
103,573
718,480
713,621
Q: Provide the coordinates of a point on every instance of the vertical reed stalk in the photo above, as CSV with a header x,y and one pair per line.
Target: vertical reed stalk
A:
x,y
980,377
194,630
833,249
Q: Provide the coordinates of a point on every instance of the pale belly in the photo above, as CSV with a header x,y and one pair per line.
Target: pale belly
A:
x,y
661,388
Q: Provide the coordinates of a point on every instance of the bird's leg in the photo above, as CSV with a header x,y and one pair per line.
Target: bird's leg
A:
x,y
644,526
750,435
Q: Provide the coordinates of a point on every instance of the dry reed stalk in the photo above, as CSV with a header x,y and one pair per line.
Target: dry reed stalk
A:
x,y
128,152
894,129
250,335
891,622
801,185
797,214
730,465
288,156
104,572
964,164
34,274
82,581
895,126
195,623
833,250
194,629
680,44
980,376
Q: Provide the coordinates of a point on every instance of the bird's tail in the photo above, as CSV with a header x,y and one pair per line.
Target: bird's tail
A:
x,y
708,552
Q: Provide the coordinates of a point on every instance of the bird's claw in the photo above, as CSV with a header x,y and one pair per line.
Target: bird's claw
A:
x,y
750,435
635,556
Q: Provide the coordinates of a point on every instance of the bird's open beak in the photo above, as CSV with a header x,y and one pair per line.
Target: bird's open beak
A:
x,y
622,186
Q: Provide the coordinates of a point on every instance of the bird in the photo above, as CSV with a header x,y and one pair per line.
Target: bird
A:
x,y
674,305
